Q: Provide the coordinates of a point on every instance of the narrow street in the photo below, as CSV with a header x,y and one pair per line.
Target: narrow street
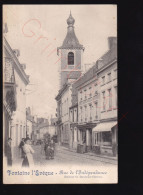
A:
x,y
63,155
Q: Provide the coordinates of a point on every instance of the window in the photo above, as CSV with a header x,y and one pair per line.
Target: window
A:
x,y
28,129
116,103
16,134
85,112
78,135
75,115
81,113
71,116
85,93
83,137
90,91
75,134
20,131
107,138
70,58
103,95
96,116
109,76
103,80
97,138
115,73
23,132
110,99
80,95
90,108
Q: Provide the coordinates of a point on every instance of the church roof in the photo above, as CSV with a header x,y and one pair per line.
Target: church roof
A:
x,y
71,41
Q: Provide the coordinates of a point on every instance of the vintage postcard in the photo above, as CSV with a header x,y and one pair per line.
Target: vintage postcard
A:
x,y
60,92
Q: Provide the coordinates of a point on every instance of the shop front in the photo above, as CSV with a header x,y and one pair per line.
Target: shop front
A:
x,y
85,141
104,138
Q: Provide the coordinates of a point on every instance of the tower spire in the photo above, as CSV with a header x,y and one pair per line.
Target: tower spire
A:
x,y
71,41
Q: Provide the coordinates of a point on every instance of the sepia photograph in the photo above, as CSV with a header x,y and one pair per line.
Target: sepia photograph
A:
x,y
60,94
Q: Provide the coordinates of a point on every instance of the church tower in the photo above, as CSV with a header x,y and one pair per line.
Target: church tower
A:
x,y
71,53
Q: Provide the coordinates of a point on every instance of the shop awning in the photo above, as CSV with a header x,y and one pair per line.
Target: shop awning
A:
x,y
104,126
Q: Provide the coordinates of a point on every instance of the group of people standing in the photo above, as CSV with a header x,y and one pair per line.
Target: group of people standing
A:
x,y
48,148
26,151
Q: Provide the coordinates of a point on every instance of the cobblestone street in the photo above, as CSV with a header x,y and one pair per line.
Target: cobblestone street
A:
x,y
64,155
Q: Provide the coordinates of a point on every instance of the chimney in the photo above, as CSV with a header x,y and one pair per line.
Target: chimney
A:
x,y
112,41
99,63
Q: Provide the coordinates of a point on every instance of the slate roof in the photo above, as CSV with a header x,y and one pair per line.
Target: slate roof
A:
x,y
71,41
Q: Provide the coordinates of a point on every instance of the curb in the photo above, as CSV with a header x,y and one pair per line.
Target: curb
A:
x,y
87,154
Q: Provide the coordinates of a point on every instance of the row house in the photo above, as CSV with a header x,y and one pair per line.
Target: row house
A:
x,y
63,123
17,127
105,134
94,96
85,91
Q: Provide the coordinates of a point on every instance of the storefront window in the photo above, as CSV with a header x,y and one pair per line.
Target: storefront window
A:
x,y
107,138
97,137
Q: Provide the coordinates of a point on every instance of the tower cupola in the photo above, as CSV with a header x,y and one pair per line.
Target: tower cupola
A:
x,y
71,41
70,20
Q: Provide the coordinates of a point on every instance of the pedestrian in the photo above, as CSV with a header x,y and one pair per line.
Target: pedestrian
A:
x,y
9,152
42,146
47,149
28,159
52,148
21,148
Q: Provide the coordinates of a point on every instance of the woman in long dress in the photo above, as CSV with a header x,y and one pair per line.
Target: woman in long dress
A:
x,y
28,160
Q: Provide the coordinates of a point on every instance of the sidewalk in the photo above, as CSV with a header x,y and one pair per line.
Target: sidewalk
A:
x,y
91,154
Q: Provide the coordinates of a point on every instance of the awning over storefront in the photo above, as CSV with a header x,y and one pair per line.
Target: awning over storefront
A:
x,y
104,126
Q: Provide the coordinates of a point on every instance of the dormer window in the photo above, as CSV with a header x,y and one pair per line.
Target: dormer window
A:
x,y
70,58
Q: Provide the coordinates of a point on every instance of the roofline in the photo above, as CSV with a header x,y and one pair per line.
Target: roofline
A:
x,y
83,48
61,91
106,66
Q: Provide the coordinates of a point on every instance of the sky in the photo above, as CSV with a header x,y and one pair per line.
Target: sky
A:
x,y
37,31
